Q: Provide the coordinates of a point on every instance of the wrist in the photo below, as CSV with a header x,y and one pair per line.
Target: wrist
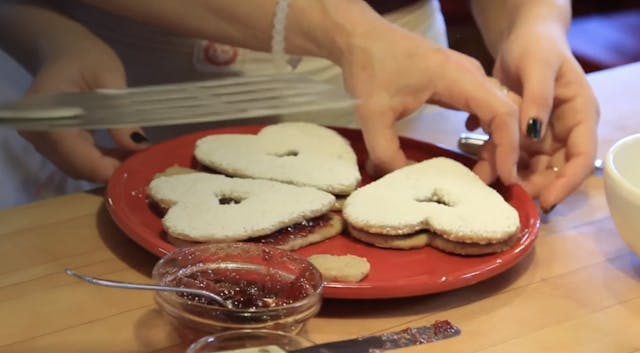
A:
x,y
501,21
547,34
329,28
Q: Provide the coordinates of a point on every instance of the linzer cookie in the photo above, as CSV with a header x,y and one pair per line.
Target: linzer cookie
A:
x,y
204,207
437,202
298,153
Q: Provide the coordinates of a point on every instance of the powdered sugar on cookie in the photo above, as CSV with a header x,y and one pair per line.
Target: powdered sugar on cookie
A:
x,y
298,153
440,195
210,207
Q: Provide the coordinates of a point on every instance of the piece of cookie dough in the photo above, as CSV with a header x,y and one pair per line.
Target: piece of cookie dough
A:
x,y
341,268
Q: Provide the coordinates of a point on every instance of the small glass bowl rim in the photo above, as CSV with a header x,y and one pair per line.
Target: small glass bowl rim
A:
x,y
199,343
311,298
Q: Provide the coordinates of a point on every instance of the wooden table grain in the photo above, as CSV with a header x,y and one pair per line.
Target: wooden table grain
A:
x,y
577,291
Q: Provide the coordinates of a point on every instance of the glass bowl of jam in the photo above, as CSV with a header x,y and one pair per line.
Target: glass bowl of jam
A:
x,y
241,340
267,289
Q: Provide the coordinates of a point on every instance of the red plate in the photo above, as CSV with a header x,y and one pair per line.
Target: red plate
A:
x,y
394,273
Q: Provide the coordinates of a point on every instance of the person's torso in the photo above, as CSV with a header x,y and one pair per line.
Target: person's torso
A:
x,y
152,55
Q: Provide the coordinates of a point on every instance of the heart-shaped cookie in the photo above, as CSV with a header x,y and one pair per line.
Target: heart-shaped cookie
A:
x,y
297,153
439,195
211,207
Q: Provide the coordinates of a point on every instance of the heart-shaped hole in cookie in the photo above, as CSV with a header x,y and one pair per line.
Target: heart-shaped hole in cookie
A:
x,y
435,197
229,200
288,153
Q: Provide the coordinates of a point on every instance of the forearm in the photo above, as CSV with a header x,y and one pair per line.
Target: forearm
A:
x,y
32,32
313,27
497,19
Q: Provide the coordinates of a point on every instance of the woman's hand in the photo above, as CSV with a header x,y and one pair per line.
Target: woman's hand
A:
x,y
393,72
74,151
65,57
557,151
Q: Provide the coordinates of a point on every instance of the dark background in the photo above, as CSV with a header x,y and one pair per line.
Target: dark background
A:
x,y
603,34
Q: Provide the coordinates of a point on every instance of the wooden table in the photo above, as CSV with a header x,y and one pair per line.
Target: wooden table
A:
x,y
577,291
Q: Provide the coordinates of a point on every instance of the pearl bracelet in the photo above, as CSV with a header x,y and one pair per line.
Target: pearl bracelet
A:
x,y
280,59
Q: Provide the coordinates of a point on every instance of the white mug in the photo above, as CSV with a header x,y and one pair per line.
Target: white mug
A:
x,y
622,188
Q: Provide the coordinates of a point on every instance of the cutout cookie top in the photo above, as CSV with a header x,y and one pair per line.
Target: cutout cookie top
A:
x,y
210,207
297,153
440,195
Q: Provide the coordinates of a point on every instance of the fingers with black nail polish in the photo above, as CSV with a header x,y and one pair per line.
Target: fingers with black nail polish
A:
x,y
534,128
138,137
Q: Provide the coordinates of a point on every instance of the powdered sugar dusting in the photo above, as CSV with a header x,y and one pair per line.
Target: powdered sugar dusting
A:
x,y
439,194
210,207
299,153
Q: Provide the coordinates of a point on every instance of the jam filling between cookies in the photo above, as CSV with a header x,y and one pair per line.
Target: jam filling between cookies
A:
x,y
442,243
294,231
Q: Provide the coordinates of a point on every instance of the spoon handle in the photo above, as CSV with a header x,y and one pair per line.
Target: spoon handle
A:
x,y
129,285
471,143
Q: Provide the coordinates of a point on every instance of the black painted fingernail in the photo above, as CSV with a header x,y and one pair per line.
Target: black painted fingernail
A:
x,y
138,137
534,128
549,210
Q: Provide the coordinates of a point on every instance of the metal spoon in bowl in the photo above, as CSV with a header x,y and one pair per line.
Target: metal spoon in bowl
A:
x,y
128,285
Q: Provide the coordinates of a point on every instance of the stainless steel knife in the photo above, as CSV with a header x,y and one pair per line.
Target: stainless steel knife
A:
x,y
411,336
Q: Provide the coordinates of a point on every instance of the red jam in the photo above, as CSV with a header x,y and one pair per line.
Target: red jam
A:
x,y
258,281
294,231
245,289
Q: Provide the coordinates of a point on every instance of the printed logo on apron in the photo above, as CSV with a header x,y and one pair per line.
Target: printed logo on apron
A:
x,y
210,56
